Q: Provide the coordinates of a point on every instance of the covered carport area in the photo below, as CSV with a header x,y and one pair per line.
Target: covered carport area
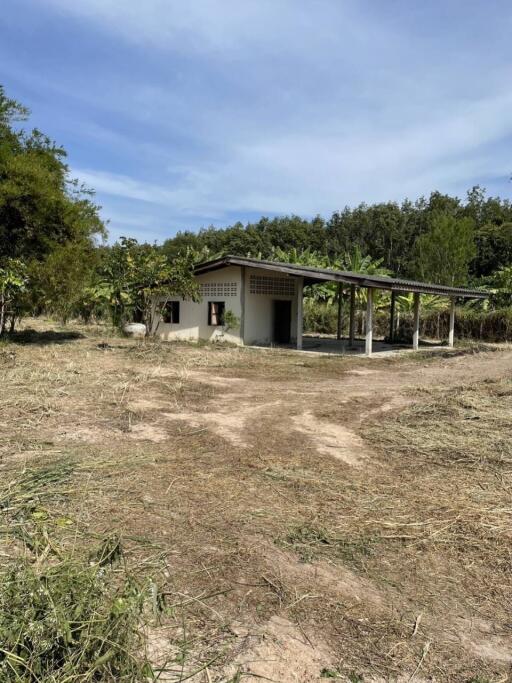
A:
x,y
348,282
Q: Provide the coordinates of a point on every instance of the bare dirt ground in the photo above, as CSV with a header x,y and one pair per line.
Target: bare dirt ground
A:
x,y
310,518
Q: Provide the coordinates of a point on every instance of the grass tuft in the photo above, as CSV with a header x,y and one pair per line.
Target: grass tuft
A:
x,y
72,621
65,615
312,543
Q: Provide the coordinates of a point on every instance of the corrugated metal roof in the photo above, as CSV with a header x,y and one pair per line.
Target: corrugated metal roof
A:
x,y
312,275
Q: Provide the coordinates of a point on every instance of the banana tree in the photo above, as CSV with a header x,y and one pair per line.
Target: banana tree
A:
x,y
355,262
325,292
429,303
328,292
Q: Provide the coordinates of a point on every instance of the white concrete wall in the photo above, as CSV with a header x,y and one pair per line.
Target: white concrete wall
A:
x,y
193,323
259,321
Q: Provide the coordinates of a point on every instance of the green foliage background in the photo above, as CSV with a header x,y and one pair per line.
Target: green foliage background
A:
x,y
54,258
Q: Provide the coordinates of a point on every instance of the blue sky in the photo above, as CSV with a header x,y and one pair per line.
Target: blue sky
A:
x,y
186,113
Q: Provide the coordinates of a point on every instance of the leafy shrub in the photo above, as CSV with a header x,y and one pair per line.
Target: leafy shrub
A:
x,y
492,326
73,621
470,323
320,317
66,613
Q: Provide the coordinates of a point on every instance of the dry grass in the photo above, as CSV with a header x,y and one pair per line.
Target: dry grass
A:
x,y
398,566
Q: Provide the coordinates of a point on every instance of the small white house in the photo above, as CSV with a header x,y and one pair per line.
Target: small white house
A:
x,y
263,303
253,302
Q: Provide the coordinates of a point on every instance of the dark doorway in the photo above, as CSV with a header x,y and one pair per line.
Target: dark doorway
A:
x,y
282,321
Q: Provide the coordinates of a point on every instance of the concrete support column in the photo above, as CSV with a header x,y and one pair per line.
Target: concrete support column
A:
x,y
451,333
300,312
340,311
352,316
416,328
392,318
242,305
369,322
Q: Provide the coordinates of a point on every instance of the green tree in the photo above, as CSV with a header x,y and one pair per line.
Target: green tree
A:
x,y
60,283
444,253
500,287
133,276
41,207
493,248
386,231
254,239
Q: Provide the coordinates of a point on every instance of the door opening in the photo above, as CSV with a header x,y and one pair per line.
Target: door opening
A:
x,y
282,313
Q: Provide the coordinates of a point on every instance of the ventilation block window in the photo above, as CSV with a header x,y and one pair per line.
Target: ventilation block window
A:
x,y
171,312
220,289
263,284
216,312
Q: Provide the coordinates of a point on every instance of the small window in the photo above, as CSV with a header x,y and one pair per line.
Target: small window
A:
x,y
171,312
216,312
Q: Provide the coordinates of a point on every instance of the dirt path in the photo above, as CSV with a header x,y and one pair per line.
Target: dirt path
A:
x,y
237,404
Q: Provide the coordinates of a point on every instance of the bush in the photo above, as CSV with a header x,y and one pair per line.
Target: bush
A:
x,y
321,318
68,622
491,326
66,614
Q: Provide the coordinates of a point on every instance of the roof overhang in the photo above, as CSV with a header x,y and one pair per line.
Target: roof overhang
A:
x,y
315,275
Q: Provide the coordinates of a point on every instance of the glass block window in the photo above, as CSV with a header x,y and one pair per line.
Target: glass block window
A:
x,y
263,284
220,289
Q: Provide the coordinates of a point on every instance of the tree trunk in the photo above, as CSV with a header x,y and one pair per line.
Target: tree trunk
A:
x,y
2,314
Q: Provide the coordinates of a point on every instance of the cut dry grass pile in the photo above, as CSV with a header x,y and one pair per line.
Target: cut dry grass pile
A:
x,y
469,425
429,524
442,514
70,472
76,605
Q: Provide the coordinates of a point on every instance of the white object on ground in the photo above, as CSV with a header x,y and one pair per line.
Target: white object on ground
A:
x,y
135,330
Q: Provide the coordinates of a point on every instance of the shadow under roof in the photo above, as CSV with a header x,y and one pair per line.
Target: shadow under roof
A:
x,y
315,275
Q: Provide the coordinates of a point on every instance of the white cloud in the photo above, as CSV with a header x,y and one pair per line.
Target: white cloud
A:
x,y
219,26
311,173
279,106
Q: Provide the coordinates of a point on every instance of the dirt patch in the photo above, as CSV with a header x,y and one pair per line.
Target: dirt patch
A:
x,y
142,405
148,432
332,439
333,579
478,637
218,381
233,423
85,434
280,651
229,426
